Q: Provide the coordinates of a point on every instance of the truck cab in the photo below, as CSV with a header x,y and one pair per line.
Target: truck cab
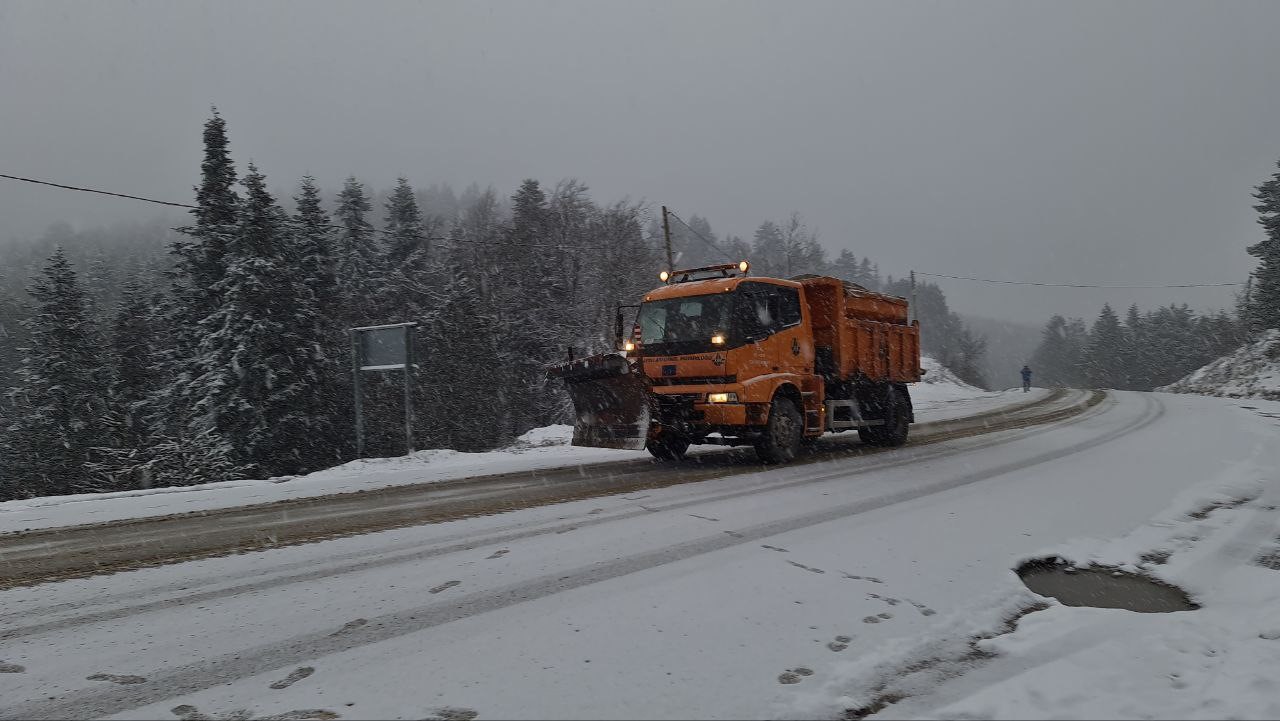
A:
x,y
718,352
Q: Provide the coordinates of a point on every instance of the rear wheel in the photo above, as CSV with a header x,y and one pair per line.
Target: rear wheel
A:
x,y
668,447
897,420
783,433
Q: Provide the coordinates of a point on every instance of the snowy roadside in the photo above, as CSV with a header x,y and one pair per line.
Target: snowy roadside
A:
x,y
1253,371
1016,654
940,397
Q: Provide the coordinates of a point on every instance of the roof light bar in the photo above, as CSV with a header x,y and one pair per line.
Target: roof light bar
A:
x,y
725,270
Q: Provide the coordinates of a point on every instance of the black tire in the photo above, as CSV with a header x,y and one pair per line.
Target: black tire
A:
x,y
897,421
668,447
782,434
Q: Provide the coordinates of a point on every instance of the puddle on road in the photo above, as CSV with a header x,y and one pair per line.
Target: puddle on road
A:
x,y
1103,588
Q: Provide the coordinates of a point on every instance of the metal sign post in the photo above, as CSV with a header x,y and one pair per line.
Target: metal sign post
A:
x,y
382,348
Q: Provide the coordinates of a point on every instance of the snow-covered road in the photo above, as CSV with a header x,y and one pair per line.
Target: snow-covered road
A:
x,y
750,596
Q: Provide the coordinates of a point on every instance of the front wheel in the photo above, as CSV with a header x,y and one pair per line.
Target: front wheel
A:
x,y
668,447
782,435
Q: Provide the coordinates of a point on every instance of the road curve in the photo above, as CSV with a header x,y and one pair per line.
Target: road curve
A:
x,y
44,555
233,660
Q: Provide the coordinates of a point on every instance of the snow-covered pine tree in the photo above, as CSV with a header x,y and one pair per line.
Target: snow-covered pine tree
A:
x,y
330,405
736,247
463,399
1057,360
869,275
315,243
1104,353
199,266
409,271
257,370
62,411
356,257
845,266
13,335
405,232
521,295
200,263
768,250
1264,301
133,373
1134,358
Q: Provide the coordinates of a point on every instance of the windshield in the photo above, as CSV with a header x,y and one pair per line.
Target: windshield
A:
x,y
684,325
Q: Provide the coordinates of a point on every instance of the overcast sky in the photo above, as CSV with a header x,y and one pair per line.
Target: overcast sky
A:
x,y
1080,142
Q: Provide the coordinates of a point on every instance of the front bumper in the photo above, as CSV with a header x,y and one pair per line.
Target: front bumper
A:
x,y
687,410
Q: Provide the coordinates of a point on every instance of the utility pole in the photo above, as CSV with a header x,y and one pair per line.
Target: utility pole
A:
x,y
666,234
912,315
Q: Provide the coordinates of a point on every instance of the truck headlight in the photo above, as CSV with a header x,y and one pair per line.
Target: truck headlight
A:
x,y
722,397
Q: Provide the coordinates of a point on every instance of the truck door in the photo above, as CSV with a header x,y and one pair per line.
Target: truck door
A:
x,y
795,349
782,342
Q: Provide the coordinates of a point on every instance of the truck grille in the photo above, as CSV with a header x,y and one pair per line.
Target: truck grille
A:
x,y
678,407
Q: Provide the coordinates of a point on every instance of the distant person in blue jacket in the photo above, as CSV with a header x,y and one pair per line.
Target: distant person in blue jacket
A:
x,y
1026,379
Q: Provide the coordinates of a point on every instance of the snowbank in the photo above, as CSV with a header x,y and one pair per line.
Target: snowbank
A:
x,y
1017,655
941,397
1251,372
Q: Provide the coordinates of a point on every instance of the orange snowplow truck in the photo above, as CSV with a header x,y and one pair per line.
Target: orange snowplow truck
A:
x,y
719,356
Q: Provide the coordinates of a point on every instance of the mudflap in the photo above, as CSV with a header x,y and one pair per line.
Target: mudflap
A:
x,y
612,401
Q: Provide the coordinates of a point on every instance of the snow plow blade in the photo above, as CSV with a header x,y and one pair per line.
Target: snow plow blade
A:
x,y
611,400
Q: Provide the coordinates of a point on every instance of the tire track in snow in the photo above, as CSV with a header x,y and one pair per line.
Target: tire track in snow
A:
x,y
228,668
377,558
89,550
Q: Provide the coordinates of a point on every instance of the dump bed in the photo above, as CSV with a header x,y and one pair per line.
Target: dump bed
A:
x,y
859,334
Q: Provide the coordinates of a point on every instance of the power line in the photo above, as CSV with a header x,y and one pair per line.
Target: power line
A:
x,y
718,249
330,225
99,192
1076,285
698,235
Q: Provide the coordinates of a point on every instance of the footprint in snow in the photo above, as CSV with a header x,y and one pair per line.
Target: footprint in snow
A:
x,y
774,548
444,586
350,625
872,579
878,618
793,675
705,518
497,554
735,534
886,599
807,568
11,668
187,712
297,675
923,609
840,643
450,713
116,678
302,714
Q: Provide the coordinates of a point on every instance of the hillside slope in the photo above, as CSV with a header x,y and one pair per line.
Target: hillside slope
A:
x,y
1251,372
